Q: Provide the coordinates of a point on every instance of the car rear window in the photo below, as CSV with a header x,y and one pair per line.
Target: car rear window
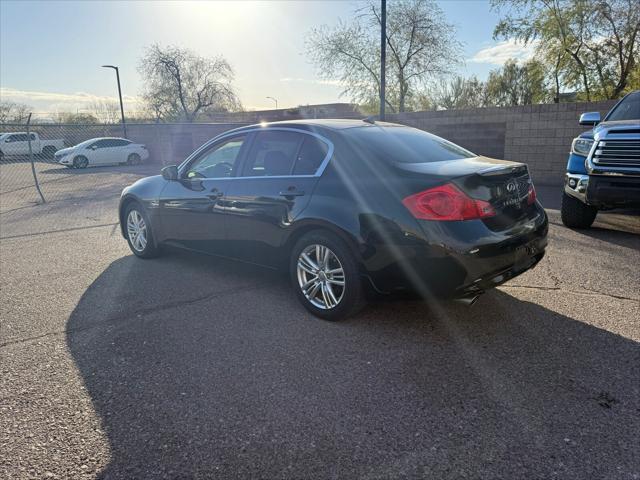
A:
x,y
406,145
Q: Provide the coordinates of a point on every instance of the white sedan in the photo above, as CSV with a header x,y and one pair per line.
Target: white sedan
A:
x,y
102,151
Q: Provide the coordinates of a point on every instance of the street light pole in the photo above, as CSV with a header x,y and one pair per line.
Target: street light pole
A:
x,y
383,54
275,100
124,125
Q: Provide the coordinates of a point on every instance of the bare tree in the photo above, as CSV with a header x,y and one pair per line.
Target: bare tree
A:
x,y
421,45
182,84
107,111
12,112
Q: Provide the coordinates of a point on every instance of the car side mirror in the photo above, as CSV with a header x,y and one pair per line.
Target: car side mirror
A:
x,y
590,118
170,173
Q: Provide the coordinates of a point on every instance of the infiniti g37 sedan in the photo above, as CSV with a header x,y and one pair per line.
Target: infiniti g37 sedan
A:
x,y
347,207
102,151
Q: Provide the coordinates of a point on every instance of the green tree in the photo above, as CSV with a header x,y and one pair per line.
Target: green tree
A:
x,y
515,84
421,46
456,93
591,45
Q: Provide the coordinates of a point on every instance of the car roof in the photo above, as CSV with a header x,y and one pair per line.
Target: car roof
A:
x,y
328,123
108,138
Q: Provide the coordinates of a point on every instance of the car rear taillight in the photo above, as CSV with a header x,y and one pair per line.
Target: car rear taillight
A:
x,y
447,203
531,194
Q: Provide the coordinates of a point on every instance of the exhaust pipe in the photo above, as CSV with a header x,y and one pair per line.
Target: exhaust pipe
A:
x,y
468,300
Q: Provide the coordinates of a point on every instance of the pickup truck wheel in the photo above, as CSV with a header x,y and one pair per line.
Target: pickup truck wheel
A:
x,y
80,162
576,214
49,151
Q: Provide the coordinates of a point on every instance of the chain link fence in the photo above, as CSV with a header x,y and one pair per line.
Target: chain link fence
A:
x,y
74,166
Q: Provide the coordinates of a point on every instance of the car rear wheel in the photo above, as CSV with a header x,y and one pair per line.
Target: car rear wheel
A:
x,y
133,159
325,276
80,162
576,214
138,232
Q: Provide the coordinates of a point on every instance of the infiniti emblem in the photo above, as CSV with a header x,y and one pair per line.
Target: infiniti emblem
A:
x,y
512,186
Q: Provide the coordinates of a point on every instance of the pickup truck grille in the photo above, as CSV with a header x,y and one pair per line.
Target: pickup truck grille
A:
x,y
617,153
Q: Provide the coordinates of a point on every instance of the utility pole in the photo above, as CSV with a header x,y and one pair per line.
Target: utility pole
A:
x,y
124,125
383,54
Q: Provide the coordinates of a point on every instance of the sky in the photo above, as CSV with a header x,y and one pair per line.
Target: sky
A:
x,y
51,51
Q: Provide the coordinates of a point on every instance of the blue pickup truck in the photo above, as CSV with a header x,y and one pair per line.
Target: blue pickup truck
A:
x,y
603,171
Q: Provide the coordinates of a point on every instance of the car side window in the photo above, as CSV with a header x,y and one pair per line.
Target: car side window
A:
x,y
120,143
219,162
272,154
311,156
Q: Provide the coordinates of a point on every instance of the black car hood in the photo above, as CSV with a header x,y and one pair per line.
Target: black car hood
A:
x,y
464,166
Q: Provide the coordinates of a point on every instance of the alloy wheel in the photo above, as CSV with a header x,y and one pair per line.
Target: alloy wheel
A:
x,y
321,276
137,230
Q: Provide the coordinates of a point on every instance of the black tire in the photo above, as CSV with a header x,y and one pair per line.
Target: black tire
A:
x,y
352,297
49,152
576,214
150,249
133,159
80,162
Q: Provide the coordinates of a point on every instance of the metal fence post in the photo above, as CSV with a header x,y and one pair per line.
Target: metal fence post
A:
x,y
33,167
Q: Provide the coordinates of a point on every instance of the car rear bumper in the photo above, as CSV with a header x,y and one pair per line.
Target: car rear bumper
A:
x,y
463,259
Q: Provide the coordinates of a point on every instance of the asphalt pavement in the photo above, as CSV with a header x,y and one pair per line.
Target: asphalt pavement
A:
x,y
189,366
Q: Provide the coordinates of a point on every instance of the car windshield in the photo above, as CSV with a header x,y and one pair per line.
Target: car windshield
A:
x,y
627,109
407,145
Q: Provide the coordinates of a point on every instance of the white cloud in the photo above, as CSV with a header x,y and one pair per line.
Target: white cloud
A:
x,y
335,83
499,53
54,102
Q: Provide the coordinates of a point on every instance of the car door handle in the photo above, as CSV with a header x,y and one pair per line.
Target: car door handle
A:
x,y
215,194
291,193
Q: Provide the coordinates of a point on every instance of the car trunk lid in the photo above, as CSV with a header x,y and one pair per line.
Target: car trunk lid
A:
x,y
504,184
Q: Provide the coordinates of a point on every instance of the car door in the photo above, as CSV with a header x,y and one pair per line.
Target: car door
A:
x,y
94,152
121,150
192,208
277,178
108,151
18,144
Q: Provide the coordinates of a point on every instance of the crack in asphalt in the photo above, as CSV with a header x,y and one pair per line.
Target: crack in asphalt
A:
x,y
139,312
585,292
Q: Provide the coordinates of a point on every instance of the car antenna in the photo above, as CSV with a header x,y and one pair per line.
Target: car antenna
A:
x,y
370,119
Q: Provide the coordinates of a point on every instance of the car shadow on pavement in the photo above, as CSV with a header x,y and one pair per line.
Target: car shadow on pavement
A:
x,y
200,367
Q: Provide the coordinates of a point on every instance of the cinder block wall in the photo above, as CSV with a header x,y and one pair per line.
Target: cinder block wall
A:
x,y
539,135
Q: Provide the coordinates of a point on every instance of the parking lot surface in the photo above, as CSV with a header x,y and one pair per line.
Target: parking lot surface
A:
x,y
197,367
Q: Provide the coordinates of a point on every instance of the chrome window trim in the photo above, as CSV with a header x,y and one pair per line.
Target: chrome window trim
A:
x,y
222,136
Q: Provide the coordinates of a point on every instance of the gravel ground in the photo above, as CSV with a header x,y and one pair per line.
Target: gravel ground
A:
x,y
195,367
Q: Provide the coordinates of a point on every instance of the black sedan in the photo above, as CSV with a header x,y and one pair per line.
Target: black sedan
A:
x,y
346,206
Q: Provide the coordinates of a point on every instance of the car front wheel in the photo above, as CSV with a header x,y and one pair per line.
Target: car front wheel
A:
x,y
576,214
138,232
80,162
325,276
